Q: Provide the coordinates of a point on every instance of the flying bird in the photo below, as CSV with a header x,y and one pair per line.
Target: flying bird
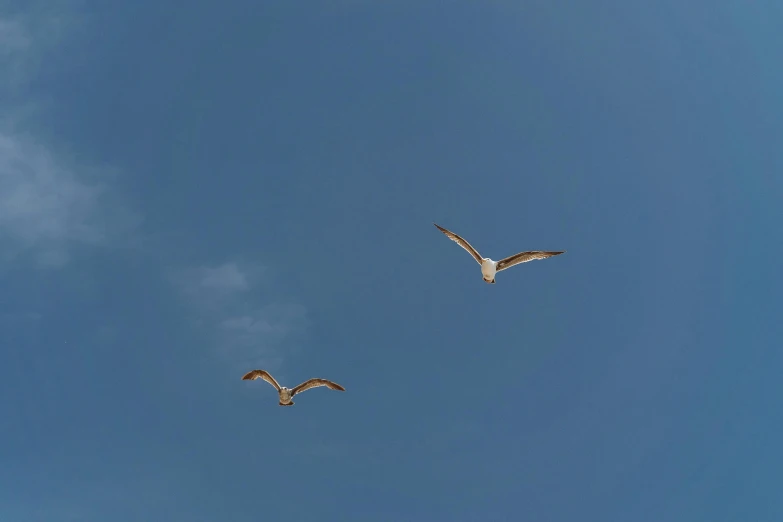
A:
x,y
286,394
489,267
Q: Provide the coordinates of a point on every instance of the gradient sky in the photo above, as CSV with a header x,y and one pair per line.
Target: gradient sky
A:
x,y
188,193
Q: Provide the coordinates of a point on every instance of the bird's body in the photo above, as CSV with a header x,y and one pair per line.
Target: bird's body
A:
x,y
489,267
287,394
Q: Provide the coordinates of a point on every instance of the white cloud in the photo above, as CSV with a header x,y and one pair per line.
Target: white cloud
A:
x,y
25,40
244,332
43,206
15,42
217,288
13,37
270,324
47,204
45,209
225,278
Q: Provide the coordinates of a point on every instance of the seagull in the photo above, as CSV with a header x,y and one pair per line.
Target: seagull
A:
x,y
286,394
488,267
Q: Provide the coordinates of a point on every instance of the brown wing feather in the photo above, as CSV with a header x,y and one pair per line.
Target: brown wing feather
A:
x,y
314,383
261,374
461,242
524,257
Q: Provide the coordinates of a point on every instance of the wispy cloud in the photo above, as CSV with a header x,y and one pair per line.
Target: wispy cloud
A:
x,y
45,208
245,330
15,42
215,290
225,278
26,38
48,204
205,284
265,326
13,36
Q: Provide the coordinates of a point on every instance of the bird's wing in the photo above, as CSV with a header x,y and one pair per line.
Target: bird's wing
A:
x,y
314,383
261,374
524,257
461,242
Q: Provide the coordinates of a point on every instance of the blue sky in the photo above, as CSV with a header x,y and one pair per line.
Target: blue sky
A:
x,y
190,193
